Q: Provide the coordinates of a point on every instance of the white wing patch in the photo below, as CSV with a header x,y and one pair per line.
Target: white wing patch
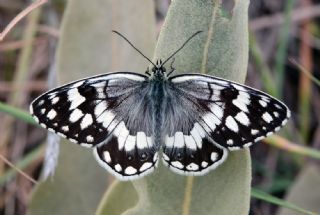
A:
x,y
232,124
192,154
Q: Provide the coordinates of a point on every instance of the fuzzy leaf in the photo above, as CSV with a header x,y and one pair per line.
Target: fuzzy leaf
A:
x,y
222,50
110,203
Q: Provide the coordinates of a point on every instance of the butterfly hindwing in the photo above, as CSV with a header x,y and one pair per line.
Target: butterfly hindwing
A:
x,y
127,156
130,151
193,153
233,115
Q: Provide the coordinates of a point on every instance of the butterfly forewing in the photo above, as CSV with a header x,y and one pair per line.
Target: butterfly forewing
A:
x,y
108,112
233,115
84,111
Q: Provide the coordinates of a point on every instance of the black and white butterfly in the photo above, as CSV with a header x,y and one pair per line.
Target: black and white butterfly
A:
x,y
128,118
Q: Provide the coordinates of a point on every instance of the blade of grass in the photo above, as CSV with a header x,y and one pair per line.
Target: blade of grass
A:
x,y
268,81
279,185
283,45
274,200
17,113
306,60
262,67
284,144
305,71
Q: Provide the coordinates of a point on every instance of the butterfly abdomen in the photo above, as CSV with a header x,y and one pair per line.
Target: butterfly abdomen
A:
x,y
157,100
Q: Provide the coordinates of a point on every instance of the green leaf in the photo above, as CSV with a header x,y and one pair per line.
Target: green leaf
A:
x,y
76,187
110,203
87,47
222,50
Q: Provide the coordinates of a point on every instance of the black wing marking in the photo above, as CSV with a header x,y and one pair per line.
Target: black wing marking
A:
x,y
193,154
127,156
233,115
85,111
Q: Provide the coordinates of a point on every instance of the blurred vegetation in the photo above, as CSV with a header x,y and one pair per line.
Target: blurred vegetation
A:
x,y
285,168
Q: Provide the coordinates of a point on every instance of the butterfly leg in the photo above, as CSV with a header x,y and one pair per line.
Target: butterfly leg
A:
x,y
171,66
147,71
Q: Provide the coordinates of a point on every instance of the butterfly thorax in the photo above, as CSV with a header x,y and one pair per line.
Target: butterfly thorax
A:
x,y
158,98
159,72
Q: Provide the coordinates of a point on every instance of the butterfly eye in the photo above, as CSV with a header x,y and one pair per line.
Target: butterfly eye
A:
x,y
192,156
143,156
129,157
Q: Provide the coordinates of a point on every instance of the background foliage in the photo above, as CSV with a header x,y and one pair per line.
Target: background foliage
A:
x,y
283,47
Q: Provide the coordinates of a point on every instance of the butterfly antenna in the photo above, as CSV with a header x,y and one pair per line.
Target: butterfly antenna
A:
x,y
123,37
185,43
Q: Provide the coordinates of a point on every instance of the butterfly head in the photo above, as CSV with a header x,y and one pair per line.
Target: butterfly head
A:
x,y
158,71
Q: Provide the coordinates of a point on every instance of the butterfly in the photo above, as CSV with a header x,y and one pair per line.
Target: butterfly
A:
x,y
129,119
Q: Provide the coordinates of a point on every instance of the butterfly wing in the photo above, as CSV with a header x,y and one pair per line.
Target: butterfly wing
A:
x,y
205,116
232,115
187,148
108,112
192,153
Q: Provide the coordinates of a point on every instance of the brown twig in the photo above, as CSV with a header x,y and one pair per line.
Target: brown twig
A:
x,y
309,39
286,145
17,169
49,30
298,15
305,71
14,45
6,87
20,16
